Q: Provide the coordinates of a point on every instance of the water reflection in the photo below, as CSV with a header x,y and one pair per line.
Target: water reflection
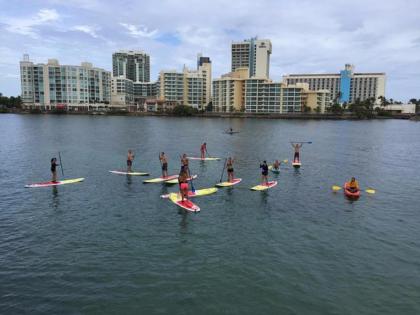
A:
x,y
55,201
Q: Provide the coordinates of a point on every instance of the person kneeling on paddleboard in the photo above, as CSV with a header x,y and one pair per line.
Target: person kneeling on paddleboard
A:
x,y
276,164
264,173
164,162
54,169
353,185
183,185
229,166
130,158
297,147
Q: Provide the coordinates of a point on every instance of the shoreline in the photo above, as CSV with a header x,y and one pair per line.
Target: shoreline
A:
x,y
294,116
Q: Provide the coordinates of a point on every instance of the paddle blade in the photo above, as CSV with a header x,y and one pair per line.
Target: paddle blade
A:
x,y
370,191
335,188
285,161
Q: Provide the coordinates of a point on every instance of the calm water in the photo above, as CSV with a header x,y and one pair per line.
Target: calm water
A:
x,y
111,245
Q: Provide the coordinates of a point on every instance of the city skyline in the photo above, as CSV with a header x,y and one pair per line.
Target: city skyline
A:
x,y
306,39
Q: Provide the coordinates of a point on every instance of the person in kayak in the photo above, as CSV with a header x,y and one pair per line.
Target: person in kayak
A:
x,y
164,163
353,185
297,147
264,172
203,150
54,169
276,165
229,167
130,158
183,185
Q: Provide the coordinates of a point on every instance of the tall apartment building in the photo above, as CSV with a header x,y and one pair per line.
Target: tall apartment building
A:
x,y
253,54
144,90
131,64
189,87
51,85
237,92
346,86
171,86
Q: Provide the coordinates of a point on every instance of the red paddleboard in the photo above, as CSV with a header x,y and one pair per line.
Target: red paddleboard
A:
x,y
186,204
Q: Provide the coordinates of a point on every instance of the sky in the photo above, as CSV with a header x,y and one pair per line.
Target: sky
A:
x,y
307,36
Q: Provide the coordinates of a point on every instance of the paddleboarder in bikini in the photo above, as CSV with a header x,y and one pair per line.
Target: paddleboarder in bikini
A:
x,y
264,173
164,162
229,167
184,164
297,147
54,169
130,158
183,185
203,150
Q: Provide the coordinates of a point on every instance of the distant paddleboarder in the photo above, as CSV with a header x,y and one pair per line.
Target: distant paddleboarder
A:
x,y
130,158
229,167
264,173
297,147
276,165
353,185
164,161
54,169
203,150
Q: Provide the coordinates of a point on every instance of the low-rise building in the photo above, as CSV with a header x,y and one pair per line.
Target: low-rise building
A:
x,y
122,92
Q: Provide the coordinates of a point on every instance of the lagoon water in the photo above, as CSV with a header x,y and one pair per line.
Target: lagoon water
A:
x,y
110,245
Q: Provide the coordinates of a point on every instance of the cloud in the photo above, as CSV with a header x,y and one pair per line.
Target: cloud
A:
x,y
27,25
90,30
139,30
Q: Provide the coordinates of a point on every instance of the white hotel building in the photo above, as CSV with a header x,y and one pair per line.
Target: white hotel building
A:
x,y
49,86
346,86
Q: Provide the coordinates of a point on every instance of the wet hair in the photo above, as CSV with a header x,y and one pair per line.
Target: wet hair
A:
x,y
264,161
53,159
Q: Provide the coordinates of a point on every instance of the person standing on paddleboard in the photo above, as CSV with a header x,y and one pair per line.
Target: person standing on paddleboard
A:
x,y
130,158
54,169
203,150
297,147
229,167
264,173
164,162
276,164
183,185
184,164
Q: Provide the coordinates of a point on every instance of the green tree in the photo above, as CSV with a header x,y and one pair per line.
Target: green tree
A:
x,y
182,110
336,109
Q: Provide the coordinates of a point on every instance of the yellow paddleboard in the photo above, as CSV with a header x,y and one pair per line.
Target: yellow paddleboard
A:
x,y
229,184
265,186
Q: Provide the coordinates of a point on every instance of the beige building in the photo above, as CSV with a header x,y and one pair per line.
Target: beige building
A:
x,y
253,54
122,92
228,91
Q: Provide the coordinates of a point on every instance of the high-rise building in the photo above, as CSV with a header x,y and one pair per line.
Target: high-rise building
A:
x,y
189,87
253,54
131,64
346,86
171,86
51,85
228,94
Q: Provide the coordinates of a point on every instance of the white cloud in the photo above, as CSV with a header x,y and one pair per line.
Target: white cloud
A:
x,y
27,25
90,30
139,30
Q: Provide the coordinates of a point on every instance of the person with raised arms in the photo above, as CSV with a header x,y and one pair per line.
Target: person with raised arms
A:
x,y
164,162
54,169
264,173
130,158
203,150
296,146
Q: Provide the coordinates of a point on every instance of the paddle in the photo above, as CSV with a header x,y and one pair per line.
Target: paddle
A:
x,y
191,181
308,142
61,164
368,190
223,171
